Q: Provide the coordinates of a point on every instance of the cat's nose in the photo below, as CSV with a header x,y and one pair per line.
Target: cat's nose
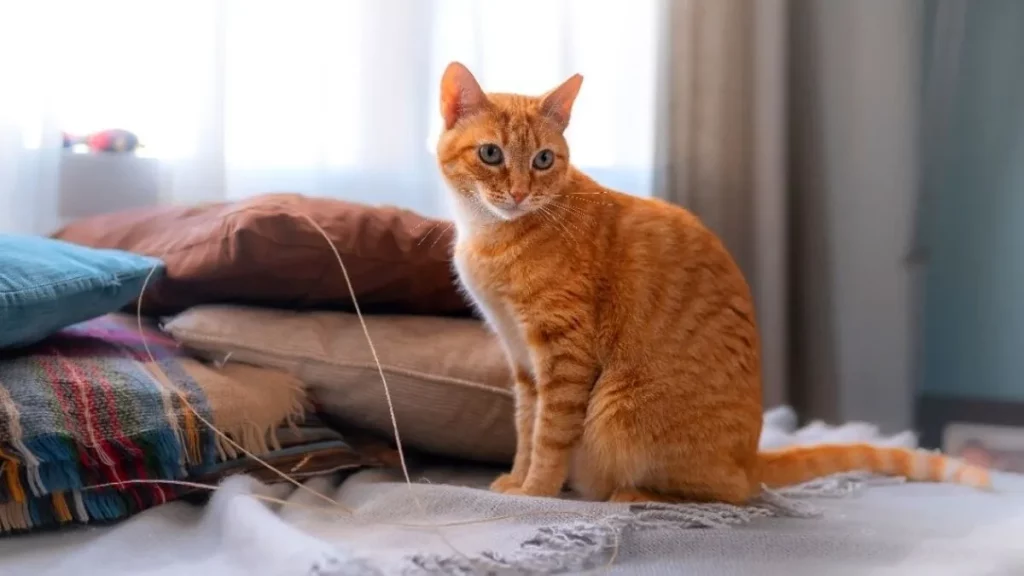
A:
x,y
518,195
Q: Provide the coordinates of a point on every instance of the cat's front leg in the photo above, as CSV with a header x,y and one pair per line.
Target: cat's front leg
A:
x,y
565,377
526,402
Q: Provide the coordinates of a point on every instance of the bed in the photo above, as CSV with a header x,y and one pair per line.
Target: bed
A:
x,y
849,524
452,398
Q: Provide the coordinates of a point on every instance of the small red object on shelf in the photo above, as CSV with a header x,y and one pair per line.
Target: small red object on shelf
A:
x,y
114,140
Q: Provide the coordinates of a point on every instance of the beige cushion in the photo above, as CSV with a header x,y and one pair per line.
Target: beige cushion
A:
x,y
449,381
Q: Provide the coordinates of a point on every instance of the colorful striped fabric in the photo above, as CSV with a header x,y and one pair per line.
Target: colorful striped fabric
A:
x,y
88,407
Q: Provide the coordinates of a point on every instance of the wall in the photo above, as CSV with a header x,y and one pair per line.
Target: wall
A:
x,y
973,339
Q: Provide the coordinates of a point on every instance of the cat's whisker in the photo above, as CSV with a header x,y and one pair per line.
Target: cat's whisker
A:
x,y
572,209
548,215
441,234
567,222
429,232
552,217
592,201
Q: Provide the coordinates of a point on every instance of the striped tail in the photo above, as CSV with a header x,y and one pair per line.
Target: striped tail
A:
x,y
795,465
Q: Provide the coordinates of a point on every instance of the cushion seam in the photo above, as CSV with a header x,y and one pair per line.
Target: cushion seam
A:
x,y
386,367
116,276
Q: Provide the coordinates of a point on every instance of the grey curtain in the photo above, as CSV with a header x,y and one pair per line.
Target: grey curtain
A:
x,y
792,130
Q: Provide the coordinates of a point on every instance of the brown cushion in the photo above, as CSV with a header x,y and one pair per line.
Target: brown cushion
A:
x,y
261,251
449,380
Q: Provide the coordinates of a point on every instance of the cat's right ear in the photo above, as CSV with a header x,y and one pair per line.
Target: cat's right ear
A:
x,y
460,94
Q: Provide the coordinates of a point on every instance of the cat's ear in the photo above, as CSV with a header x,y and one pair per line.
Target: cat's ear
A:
x,y
460,94
557,104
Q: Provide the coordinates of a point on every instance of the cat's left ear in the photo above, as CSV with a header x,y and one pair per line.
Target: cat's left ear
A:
x,y
557,104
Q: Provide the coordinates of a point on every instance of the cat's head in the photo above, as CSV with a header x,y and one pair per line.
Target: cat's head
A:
x,y
503,154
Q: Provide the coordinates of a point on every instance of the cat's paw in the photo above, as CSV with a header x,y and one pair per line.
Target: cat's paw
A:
x,y
510,485
505,483
528,491
515,491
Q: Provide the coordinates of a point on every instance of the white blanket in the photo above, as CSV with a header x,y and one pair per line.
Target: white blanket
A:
x,y
830,526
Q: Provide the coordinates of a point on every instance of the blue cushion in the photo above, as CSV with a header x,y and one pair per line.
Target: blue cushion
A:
x,y
47,285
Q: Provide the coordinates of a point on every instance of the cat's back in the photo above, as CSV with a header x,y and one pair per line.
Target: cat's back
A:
x,y
666,237
668,274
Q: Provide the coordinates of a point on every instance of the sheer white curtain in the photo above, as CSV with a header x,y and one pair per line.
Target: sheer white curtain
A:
x,y
29,150
327,97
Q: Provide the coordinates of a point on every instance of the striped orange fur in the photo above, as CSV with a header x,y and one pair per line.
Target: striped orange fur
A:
x,y
794,465
629,328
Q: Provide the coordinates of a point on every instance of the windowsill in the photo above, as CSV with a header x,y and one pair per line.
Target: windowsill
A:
x,y
93,184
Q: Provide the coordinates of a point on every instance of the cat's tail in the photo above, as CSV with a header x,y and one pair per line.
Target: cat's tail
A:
x,y
798,464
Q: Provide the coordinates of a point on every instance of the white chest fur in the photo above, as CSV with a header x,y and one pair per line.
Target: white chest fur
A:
x,y
498,314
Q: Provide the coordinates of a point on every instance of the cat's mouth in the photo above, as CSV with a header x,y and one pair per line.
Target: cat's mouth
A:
x,y
503,208
511,213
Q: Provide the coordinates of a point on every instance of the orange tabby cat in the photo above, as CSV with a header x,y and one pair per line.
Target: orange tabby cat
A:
x,y
630,330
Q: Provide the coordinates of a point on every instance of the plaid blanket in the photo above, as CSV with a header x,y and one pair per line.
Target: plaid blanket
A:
x,y
88,407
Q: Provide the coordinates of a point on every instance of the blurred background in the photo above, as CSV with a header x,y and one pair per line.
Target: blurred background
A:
x,y
863,160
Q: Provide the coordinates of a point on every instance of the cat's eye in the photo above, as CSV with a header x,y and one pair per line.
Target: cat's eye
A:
x,y
490,154
544,159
